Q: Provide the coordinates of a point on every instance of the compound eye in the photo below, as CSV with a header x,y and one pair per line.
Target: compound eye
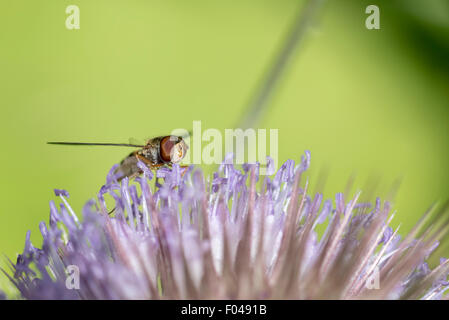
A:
x,y
167,144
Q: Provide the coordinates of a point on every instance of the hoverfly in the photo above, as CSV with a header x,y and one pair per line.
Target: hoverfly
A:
x,y
155,153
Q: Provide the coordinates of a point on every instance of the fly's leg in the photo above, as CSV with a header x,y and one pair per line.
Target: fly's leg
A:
x,y
134,175
184,170
110,212
152,166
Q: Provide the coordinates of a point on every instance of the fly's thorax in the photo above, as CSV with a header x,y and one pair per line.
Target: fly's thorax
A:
x,y
151,153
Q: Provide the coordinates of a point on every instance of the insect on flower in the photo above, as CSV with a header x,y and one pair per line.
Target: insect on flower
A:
x,y
155,153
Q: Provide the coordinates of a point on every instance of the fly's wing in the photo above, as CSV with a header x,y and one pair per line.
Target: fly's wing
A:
x,y
127,167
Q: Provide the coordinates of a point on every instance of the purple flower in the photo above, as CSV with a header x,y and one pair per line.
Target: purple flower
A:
x,y
188,237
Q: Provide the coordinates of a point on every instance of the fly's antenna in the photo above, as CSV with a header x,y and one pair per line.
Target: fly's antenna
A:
x,y
96,144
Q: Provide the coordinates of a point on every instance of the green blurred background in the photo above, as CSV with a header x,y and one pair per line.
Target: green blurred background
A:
x,y
372,104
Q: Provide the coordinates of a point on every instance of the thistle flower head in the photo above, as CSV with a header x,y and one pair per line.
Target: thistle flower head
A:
x,y
228,237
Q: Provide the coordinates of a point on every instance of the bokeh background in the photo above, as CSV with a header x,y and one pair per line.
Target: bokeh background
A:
x,y
369,104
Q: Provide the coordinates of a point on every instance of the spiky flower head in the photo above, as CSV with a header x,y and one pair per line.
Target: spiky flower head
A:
x,y
229,237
